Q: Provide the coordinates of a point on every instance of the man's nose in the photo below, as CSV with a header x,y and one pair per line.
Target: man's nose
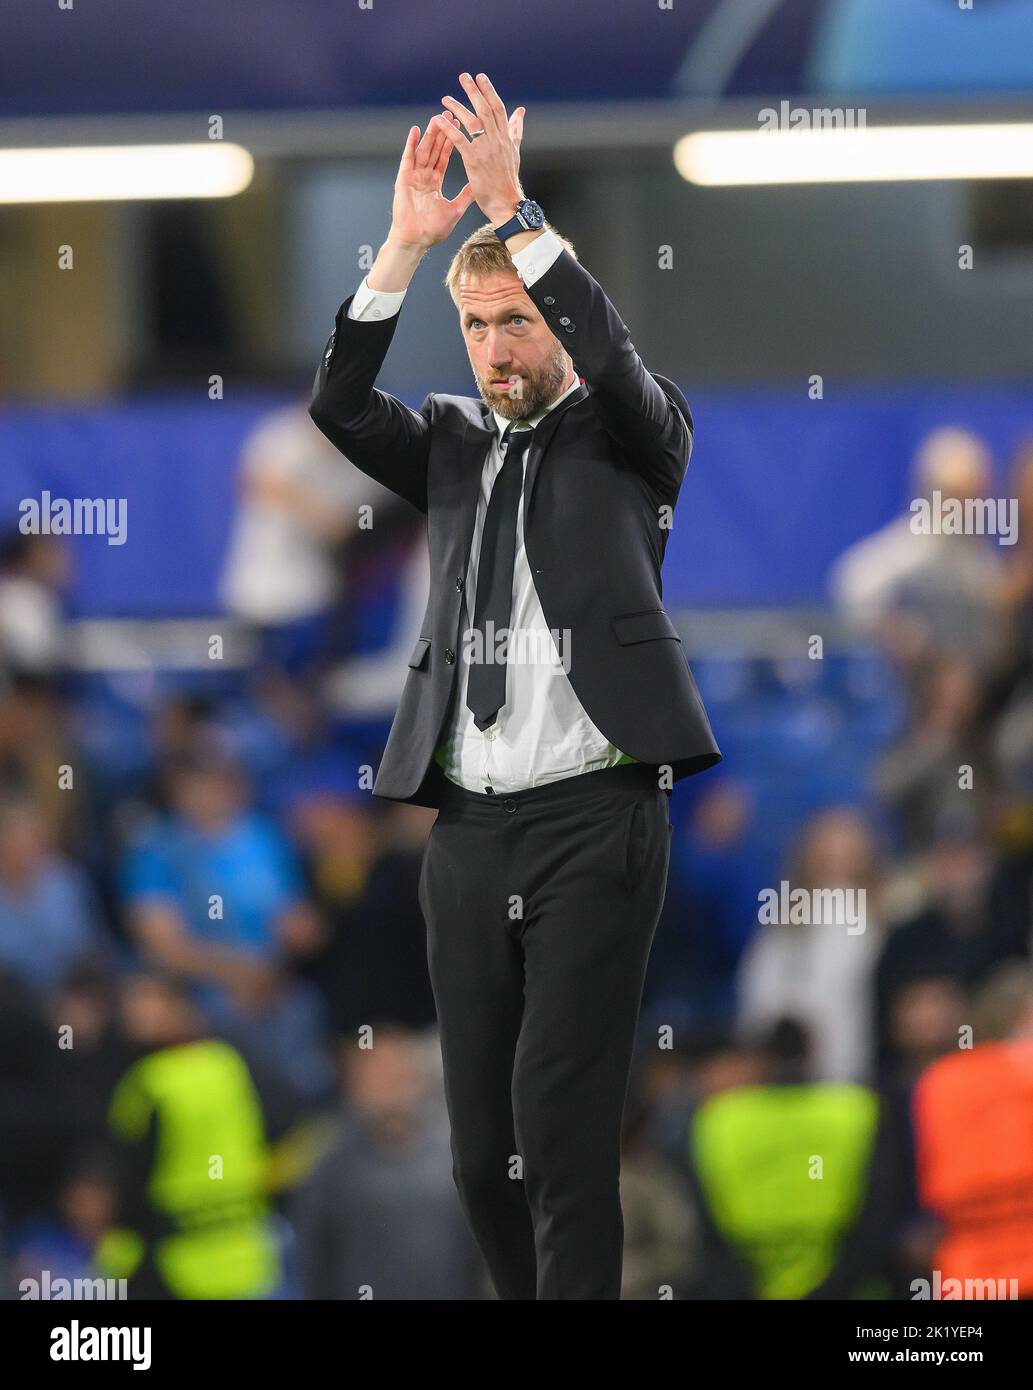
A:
x,y
493,344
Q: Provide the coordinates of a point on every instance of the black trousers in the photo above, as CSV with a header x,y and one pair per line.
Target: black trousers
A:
x,y
541,908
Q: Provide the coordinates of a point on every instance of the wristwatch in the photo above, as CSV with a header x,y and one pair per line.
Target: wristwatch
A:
x,y
529,218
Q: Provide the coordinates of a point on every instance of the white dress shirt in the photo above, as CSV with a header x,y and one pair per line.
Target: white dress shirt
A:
x,y
542,732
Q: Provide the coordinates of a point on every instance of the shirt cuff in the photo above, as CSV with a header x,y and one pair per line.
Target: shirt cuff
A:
x,y
534,259
374,304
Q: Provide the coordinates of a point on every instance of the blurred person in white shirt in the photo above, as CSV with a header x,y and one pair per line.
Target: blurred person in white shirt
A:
x,y
299,504
34,572
821,973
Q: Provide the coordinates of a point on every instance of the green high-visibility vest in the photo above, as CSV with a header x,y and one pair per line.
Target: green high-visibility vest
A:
x,y
208,1182
784,1170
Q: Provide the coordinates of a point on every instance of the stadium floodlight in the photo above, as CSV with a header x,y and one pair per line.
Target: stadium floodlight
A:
x,y
868,154
95,173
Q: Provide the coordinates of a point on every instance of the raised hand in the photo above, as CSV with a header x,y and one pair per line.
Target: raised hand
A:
x,y
491,160
420,215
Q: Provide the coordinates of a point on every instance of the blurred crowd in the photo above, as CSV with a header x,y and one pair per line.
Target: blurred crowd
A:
x,y
219,1074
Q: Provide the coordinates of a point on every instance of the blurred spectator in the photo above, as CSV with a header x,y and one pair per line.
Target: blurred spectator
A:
x,y
214,892
1016,589
710,908
952,936
380,1216
376,965
924,594
660,1237
1011,900
39,756
267,727
34,573
784,1177
184,724
366,685
95,1054
61,1246
299,502
974,1146
48,913
190,1216
926,1017
1010,696
940,778
329,819
820,972
36,1122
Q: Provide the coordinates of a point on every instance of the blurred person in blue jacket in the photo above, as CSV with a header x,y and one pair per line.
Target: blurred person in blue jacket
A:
x,y
213,891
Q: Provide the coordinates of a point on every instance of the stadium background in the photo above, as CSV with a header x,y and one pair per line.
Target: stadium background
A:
x,y
239,765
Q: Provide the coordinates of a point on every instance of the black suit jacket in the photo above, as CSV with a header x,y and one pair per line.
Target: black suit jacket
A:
x,y
602,475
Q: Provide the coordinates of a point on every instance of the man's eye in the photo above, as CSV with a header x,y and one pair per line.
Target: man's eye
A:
x,y
518,318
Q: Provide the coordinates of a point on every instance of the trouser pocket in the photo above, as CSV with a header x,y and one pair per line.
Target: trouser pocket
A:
x,y
636,842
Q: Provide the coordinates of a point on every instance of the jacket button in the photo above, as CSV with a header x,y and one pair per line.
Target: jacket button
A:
x,y
550,299
569,327
509,804
450,656
459,585
564,320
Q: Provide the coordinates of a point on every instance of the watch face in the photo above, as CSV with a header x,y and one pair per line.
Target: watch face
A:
x,y
531,213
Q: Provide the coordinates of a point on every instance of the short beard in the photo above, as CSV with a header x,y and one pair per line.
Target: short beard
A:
x,y
538,392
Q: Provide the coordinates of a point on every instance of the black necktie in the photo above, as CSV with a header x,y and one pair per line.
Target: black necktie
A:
x,y
486,688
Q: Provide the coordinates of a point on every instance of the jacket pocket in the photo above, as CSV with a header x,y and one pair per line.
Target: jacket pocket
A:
x,y
645,626
419,653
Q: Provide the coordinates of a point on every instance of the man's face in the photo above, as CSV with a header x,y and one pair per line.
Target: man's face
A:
x,y
518,364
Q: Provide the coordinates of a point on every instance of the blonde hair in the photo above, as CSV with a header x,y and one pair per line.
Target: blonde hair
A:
x,y
482,253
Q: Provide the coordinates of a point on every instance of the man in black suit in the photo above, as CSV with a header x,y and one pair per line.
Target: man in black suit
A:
x,y
549,705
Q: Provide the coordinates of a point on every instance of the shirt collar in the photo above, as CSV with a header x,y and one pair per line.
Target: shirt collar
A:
x,y
502,423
